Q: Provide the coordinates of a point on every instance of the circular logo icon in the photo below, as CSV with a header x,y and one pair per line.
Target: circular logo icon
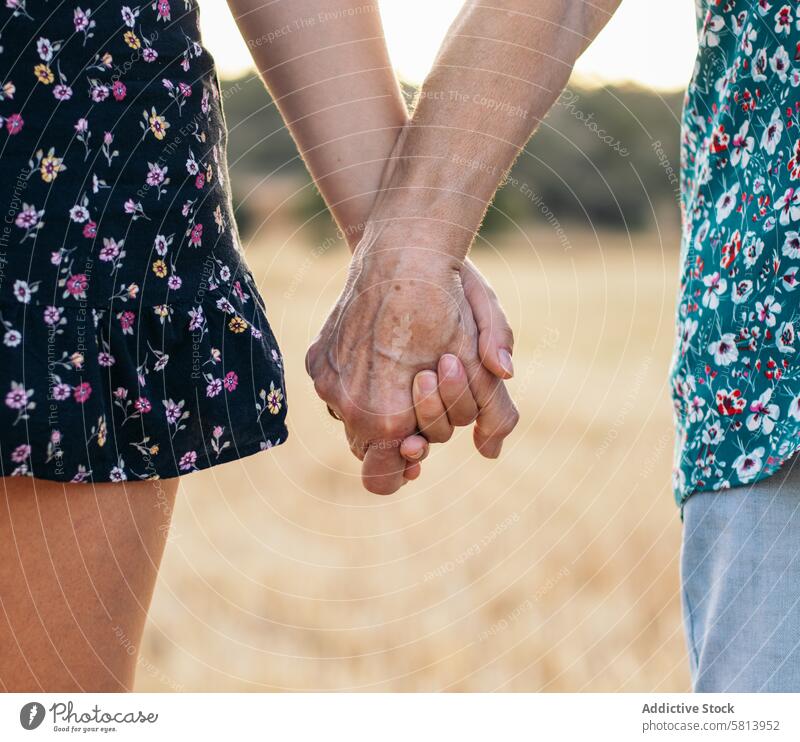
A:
x,y
31,715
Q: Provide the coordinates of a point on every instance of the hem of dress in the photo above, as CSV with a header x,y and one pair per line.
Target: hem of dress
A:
x,y
204,462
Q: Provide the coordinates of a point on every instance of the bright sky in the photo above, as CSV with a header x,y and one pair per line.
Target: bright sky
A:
x,y
630,49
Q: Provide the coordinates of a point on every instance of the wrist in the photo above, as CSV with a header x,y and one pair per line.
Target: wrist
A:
x,y
408,247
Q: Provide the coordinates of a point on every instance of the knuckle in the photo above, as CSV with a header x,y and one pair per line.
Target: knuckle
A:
x,y
508,422
322,387
392,427
349,411
441,435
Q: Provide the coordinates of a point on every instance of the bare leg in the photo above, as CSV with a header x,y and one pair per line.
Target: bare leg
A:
x,y
78,565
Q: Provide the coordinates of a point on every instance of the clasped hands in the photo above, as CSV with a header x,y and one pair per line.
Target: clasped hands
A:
x,y
416,344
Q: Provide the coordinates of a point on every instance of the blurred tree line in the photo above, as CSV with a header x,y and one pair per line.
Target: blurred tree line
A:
x,y
603,158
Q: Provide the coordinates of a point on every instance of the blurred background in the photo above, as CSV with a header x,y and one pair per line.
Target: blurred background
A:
x,y
554,568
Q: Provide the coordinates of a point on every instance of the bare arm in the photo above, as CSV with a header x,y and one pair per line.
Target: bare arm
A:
x,y
326,65
502,66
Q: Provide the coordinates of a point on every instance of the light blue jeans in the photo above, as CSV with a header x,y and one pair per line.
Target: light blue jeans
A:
x,y
740,574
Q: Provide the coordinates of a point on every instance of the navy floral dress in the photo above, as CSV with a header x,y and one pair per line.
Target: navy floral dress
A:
x,y
135,343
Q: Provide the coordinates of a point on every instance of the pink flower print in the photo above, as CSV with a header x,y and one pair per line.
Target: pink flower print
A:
x,y
23,291
110,250
200,181
105,359
174,282
156,174
99,93
149,54
217,432
119,90
173,410
60,392
224,305
14,124
81,126
17,398
82,392
28,217
77,284
231,381
142,405
62,92
196,318
186,90
90,230
79,214
81,20
52,316
161,244
196,235
21,453
213,388
188,461
126,320
121,392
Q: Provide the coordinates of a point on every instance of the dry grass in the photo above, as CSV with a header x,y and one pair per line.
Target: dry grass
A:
x,y
554,568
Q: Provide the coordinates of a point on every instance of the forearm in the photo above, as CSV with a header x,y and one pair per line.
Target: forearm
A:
x,y
326,65
499,71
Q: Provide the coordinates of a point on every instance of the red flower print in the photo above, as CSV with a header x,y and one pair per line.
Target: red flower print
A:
x,y
82,392
200,181
731,249
76,285
90,230
126,320
119,90
14,124
143,405
730,403
231,381
196,235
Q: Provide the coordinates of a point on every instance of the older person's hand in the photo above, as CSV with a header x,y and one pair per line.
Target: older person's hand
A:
x,y
403,314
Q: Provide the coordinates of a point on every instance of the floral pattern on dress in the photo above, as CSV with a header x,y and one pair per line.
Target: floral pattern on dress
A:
x,y
735,374
135,342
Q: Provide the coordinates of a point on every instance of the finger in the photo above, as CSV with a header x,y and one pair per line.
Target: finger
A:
x,y
495,336
414,448
431,413
454,389
383,468
413,470
498,415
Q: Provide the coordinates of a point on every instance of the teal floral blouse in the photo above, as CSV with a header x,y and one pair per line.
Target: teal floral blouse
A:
x,y
735,373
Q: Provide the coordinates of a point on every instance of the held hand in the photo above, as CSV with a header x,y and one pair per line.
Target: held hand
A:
x,y
402,309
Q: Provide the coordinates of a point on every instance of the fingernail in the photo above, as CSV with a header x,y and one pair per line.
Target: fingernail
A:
x,y
450,365
416,456
505,361
427,382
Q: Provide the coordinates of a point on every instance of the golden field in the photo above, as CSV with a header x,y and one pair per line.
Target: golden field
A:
x,y
554,568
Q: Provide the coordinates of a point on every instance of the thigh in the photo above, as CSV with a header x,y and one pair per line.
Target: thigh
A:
x,y
740,569
78,565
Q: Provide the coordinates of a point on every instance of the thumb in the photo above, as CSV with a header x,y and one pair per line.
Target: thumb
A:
x,y
495,336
